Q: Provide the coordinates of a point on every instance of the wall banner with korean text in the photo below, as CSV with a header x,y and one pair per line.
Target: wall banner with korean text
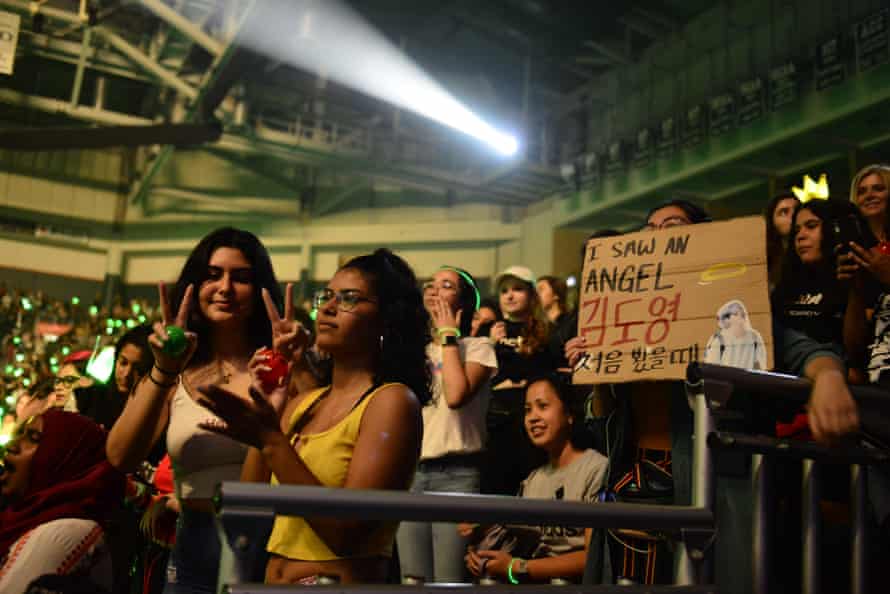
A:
x,y
652,302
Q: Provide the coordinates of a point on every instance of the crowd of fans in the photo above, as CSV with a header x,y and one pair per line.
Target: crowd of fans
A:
x,y
398,385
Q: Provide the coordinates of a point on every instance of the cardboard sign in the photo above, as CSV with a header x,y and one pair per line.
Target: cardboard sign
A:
x,y
654,301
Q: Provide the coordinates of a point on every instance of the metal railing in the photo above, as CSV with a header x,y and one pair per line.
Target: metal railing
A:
x,y
719,384
244,508
248,509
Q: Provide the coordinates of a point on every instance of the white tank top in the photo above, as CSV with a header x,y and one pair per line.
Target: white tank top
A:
x,y
201,459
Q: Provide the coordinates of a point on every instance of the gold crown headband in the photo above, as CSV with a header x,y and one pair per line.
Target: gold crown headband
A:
x,y
812,190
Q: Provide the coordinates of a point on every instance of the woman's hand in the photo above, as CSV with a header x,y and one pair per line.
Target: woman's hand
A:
x,y
252,421
491,563
574,349
276,397
443,317
846,267
465,529
498,332
289,337
874,261
167,363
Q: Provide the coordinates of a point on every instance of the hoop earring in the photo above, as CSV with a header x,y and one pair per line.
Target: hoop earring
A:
x,y
381,342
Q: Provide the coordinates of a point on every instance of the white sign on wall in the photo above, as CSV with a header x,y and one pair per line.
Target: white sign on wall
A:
x,y
9,36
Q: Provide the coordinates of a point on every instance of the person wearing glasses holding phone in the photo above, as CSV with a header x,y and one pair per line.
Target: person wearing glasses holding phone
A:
x,y
362,430
453,423
220,322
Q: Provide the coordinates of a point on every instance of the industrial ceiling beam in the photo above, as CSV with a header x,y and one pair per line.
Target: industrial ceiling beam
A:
x,y
115,41
184,26
78,112
139,190
616,56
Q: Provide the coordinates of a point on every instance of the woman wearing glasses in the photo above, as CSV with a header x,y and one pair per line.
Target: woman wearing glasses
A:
x,y
453,423
218,300
361,431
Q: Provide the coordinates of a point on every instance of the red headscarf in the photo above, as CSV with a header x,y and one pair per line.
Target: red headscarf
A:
x,y
70,478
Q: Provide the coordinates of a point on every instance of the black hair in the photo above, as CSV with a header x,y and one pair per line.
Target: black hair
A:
x,y
558,286
195,272
138,337
794,273
571,402
775,246
468,293
493,305
695,213
405,322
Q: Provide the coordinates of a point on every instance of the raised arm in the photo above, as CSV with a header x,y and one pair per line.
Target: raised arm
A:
x,y
148,410
384,457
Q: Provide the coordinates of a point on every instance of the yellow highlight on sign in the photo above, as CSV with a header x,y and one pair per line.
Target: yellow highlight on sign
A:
x,y
721,272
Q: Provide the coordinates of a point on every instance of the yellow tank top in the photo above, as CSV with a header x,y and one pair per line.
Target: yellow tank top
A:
x,y
327,455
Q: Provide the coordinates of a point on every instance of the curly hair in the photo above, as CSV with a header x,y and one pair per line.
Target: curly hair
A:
x,y
195,272
406,323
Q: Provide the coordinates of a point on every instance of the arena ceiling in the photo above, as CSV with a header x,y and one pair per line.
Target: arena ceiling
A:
x,y
209,127
290,135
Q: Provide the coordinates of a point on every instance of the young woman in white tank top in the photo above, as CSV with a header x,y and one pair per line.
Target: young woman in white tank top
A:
x,y
218,300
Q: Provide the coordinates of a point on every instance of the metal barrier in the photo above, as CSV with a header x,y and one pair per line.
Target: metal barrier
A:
x,y
245,507
246,510
719,383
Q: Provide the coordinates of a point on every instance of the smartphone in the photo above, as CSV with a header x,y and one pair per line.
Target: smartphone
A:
x,y
851,227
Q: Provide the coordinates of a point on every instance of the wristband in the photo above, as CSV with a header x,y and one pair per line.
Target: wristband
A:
x,y
510,577
444,329
159,384
164,371
448,340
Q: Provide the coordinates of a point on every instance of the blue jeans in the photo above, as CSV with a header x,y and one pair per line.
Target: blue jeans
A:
x,y
193,566
435,550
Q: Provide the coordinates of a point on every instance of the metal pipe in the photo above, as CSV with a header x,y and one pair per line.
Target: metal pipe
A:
x,y
80,112
294,500
81,66
761,474
464,588
811,522
791,448
859,526
184,25
778,384
134,54
702,480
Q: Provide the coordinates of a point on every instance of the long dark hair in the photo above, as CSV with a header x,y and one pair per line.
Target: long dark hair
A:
x,y
195,272
775,247
795,274
405,322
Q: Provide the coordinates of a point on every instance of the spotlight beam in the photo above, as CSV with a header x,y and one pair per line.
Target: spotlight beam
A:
x,y
331,39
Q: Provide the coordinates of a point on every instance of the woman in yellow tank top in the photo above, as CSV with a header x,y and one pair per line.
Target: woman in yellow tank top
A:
x,y
361,431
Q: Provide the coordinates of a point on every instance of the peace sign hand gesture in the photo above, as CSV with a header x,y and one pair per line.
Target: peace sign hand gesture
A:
x,y
172,360
289,337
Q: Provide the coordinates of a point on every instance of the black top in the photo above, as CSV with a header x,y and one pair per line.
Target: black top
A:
x,y
515,366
